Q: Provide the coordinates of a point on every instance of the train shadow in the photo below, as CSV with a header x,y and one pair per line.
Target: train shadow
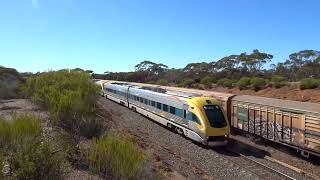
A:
x,y
235,148
232,149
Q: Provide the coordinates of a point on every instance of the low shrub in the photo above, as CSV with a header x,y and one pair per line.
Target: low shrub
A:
x,y
208,81
39,161
116,157
10,83
258,83
187,83
244,83
162,82
22,131
278,81
70,98
309,83
27,154
225,82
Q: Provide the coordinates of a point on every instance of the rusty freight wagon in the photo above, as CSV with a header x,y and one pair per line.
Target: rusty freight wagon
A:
x,y
292,123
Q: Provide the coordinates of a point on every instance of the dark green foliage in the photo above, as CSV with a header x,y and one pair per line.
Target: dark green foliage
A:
x,y
70,98
302,64
162,82
10,83
225,82
208,81
278,81
187,83
309,83
118,157
20,132
258,83
28,155
244,83
39,161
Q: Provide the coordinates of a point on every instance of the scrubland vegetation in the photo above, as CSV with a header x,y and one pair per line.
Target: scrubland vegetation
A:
x,y
26,153
10,83
117,156
70,97
245,71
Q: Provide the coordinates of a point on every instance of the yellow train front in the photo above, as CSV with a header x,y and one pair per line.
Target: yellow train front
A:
x,y
208,120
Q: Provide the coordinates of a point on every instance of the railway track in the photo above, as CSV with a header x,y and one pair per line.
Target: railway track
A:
x,y
273,167
263,175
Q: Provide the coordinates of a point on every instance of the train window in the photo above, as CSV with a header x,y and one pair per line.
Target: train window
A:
x,y
165,107
158,105
179,112
146,101
138,99
153,103
172,110
185,114
193,117
141,100
215,116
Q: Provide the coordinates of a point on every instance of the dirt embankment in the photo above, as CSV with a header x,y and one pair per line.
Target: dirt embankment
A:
x,y
286,92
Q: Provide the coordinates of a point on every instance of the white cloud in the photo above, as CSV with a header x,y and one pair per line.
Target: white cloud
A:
x,y
35,3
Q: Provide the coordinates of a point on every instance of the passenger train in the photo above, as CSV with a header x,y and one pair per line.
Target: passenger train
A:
x,y
200,115
199,118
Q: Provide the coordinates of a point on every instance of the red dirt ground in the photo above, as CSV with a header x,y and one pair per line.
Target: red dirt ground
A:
x,y
287,92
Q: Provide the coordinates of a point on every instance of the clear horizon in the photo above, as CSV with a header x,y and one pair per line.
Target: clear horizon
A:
x,y
40,35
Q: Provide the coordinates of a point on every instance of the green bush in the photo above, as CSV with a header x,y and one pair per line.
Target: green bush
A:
x,y
28,155
309,83
208,81
70,98
187,83
20,132
278,81
244,83
39,161
162,82
258,83
117,156
225,82
10,83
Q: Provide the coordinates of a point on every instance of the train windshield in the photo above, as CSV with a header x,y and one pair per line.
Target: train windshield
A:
x,y
215,116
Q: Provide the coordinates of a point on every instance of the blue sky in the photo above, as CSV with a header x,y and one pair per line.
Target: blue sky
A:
x,y
114,35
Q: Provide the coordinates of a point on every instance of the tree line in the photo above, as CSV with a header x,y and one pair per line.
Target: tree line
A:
x,y
244,69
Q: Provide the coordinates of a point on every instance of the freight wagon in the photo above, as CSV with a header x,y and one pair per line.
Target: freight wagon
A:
x,y
292,123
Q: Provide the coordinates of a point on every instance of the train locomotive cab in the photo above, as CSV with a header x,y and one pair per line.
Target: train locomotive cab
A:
x,y
209,120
